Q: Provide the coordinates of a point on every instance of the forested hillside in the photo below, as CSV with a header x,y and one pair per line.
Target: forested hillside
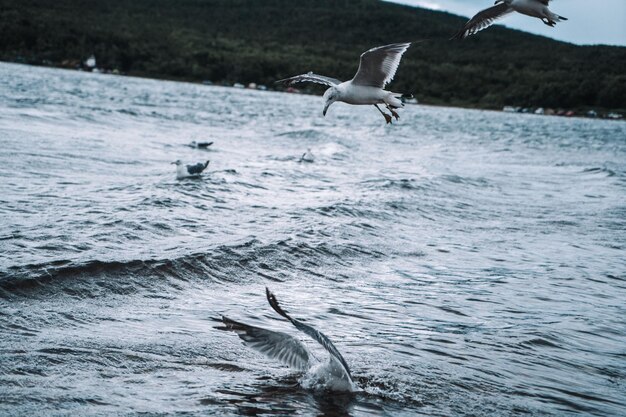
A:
x,y
264,40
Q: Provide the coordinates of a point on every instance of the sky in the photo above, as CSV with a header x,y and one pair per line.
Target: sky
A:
x,y
590,21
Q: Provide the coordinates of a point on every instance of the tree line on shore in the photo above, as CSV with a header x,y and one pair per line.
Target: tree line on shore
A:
x,y
264,40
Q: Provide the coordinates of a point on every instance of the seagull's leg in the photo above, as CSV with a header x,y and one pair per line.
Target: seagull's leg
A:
x,y
393,113
387,117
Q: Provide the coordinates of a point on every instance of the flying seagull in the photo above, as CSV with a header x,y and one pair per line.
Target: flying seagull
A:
x,y
377,68
333,374
485,18
187,171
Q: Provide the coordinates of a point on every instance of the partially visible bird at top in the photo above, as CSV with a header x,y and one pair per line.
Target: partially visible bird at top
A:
x,y
200,145
333,374
188,171
307,156
377,68
487,17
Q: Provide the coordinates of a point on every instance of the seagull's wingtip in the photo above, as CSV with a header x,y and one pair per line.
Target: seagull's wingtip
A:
x,y
458,36
285,81
271,298
224,323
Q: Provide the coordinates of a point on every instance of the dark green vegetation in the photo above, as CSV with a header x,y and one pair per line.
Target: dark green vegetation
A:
x,y
264,40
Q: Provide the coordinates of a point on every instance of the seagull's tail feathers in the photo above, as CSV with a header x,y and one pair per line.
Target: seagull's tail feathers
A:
x,y
554,18
394,99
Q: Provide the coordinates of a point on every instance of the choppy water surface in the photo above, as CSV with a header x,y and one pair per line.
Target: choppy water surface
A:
x,y
464,262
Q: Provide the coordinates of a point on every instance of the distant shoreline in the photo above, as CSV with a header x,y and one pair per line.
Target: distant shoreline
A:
x,y
578,113
240,41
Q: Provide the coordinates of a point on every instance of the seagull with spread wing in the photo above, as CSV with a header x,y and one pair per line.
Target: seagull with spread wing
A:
x,y
333,374
377,68
487,17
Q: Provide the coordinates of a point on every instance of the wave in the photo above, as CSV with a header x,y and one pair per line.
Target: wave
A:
x,y
246,262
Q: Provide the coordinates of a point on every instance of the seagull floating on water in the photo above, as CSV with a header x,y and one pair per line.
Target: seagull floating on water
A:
x,y
377,68
333,374
307,156
200,145
188,171
485,18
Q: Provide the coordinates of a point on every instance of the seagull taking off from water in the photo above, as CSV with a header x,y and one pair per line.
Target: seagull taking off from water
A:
x,y
333,374
188,171
377,68
485,18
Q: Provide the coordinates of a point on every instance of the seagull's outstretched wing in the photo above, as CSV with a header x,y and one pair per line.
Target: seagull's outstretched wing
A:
x,y
318,336
197,168
379,65
309,77
483,20
275,345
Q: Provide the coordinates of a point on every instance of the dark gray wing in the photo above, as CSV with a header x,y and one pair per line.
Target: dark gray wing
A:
x,y
197,168
310,331
378,66
483,20
310,78
275,345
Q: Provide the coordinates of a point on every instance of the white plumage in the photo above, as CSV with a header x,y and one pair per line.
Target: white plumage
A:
x,y
377,67
187,171
333,374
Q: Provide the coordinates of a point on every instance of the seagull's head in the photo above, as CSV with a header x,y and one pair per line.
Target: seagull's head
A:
x,y
178,162
330,96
